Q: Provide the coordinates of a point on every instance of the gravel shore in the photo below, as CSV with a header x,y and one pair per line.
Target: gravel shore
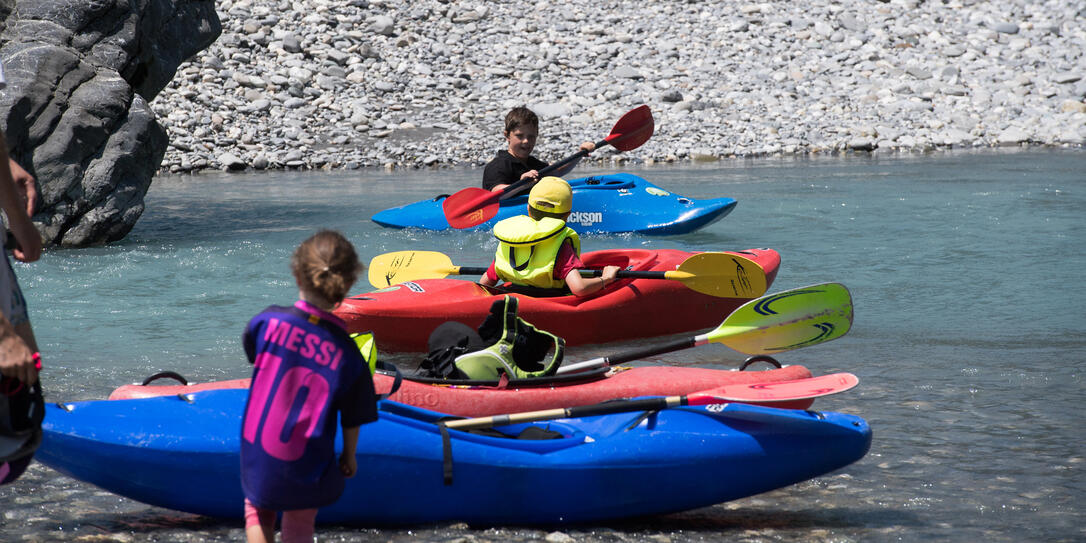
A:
x,y
332,84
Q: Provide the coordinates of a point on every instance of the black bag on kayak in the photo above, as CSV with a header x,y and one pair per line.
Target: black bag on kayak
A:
x,y
22,410
448,341
505,343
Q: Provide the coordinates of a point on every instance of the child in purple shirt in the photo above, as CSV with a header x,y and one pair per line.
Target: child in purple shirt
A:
x,y
306,370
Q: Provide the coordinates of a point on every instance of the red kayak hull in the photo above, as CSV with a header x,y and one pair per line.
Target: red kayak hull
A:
x,y
402,317
481,401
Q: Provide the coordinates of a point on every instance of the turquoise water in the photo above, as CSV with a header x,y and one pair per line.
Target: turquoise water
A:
x,y
966,271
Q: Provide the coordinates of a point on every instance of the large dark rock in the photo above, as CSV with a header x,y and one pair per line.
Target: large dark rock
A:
x,y
80,74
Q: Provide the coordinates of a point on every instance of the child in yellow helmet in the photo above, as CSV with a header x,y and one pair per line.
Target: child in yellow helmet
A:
x,y
539,250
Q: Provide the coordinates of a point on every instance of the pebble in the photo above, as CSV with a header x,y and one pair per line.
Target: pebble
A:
x,y
425,84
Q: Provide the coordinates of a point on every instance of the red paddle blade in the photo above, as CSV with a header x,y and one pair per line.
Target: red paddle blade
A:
x,y
779,391
470,207
632,130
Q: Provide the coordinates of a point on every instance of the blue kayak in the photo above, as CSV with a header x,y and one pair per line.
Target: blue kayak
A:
x,y
181,452
611,204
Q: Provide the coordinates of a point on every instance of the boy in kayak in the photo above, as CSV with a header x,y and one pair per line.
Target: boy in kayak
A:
x,y
516,162
538,249
306,371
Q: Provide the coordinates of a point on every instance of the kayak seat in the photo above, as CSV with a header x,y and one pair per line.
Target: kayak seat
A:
x,y
527,290
630,259
535,433
550,431
604,182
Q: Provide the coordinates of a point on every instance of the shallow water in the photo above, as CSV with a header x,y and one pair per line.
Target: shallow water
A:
x,y
965,269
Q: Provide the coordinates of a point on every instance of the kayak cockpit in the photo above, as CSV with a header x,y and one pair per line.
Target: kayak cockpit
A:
x,y
542,437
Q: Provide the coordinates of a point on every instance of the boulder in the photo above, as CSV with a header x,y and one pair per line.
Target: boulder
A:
x,y
80,75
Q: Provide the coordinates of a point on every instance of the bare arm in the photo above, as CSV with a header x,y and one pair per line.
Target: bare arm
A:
x,y
348,464
583,286
11,201
16,360
531,175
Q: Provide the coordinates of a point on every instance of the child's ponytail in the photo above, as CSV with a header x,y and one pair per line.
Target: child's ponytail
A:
x,y
326,264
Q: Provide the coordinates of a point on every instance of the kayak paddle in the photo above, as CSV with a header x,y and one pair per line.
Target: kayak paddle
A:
x,y
473,206
779,322
781,391
723,275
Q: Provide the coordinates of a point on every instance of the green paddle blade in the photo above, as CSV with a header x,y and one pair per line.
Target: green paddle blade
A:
x,y
393,268
787,320
722,275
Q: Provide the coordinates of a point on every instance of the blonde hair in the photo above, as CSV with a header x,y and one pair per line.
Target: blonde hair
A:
x,y
326,264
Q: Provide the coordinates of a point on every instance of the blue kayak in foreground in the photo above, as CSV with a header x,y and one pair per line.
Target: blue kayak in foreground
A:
x,y
614,203
182,453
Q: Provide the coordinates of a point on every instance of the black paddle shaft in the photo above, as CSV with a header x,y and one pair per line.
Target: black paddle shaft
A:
x,y
651,351
631,274
625,406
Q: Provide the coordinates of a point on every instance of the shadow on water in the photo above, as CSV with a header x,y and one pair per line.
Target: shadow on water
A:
x,y
724,520
713,522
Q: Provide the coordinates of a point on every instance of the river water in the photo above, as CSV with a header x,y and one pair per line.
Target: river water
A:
x,y
966,270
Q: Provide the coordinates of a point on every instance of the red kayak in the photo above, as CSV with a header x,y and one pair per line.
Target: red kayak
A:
x,y
402,316
535,394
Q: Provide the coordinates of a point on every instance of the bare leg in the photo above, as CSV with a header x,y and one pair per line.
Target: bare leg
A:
x,y
259,524
298,525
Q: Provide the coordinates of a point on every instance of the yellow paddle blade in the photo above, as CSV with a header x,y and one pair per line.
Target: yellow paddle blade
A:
x,y
393,268
787,320
722,275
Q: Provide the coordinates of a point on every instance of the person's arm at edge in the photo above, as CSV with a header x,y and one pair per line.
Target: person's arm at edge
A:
x,y
16,360
28,238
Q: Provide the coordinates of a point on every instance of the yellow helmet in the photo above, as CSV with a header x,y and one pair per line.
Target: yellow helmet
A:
x,y
551,194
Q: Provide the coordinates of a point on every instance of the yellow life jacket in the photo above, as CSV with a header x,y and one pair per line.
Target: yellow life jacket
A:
x,y
490,363
368,348
527,250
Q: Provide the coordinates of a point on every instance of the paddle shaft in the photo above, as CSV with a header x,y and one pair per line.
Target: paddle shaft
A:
x,y
631,274
636,354
606,408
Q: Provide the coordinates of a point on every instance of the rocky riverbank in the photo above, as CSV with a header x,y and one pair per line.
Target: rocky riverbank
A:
x,y
362,83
